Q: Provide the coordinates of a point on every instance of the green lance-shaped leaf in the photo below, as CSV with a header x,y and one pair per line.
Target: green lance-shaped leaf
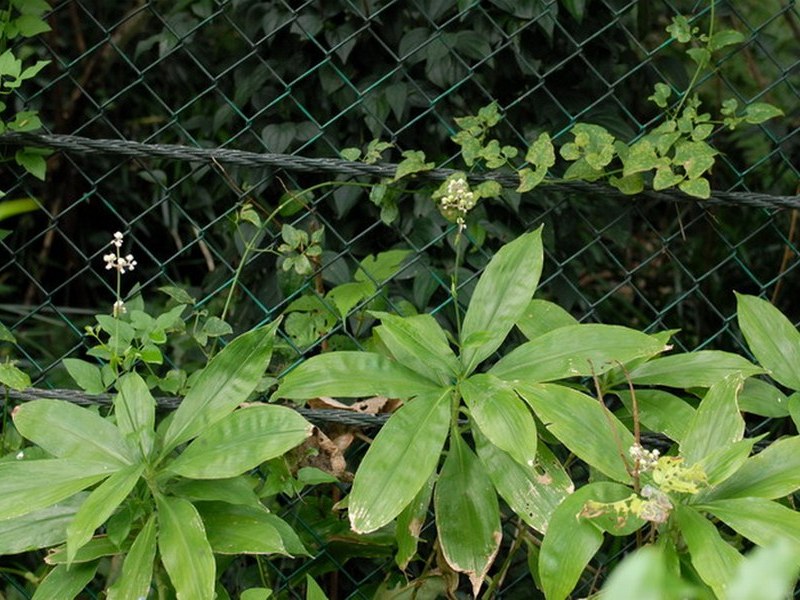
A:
x,y
184,549
758,112
99,506
409,524
542,316
398,463
714,559
30,485
695,369
467,514
766,574
717,423
227,381
772,473
764,399
501,416
137,570
571,541
575,351
533,493
761,521
353,375
724,462
419,343
97,547
645,575
135,409
582,425
238,529
65,583
66,430
241,441
235,490
660,411
40,529
772,338
501,297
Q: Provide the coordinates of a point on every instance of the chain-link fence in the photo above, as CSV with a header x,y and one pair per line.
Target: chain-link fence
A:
x,y
234,102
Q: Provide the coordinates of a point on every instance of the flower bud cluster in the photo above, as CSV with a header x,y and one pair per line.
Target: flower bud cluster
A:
x,y
114,260
458,200
646,459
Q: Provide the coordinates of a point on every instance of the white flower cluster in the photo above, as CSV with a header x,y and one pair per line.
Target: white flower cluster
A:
x,y
459,199
114,260
647,458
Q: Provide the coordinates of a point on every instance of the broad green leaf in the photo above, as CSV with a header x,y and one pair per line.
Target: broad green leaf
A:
x,y
501,416
230,377
409,524
135,409
137,570
697,187
98,507
30,485
772,338
185,551
97,547
644,575
723,462
574,351
413,162
239,529
241,441
501,296
714,559
768,573
541,317
582,425
419,343
529,179
772,473
381,267
572,541
761,521
717,422
313,591
723,38
764,399
256,594
399,461
532,493
40,529
353,375
694,369
347,295
660,411
467,514
758,112
541,152
13,377
66,430
236,490
65,584
630,185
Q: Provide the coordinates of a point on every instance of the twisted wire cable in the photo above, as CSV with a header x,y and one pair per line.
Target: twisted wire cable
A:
x,y
337,166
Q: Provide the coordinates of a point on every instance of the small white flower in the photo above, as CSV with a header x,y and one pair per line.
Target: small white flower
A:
x,y
110,259
117,241
20,455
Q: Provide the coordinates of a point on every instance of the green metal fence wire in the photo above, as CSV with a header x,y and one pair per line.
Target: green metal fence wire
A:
x,y
166,117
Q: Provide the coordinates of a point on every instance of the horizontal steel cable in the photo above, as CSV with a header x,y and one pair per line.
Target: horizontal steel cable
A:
x,y
337,166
